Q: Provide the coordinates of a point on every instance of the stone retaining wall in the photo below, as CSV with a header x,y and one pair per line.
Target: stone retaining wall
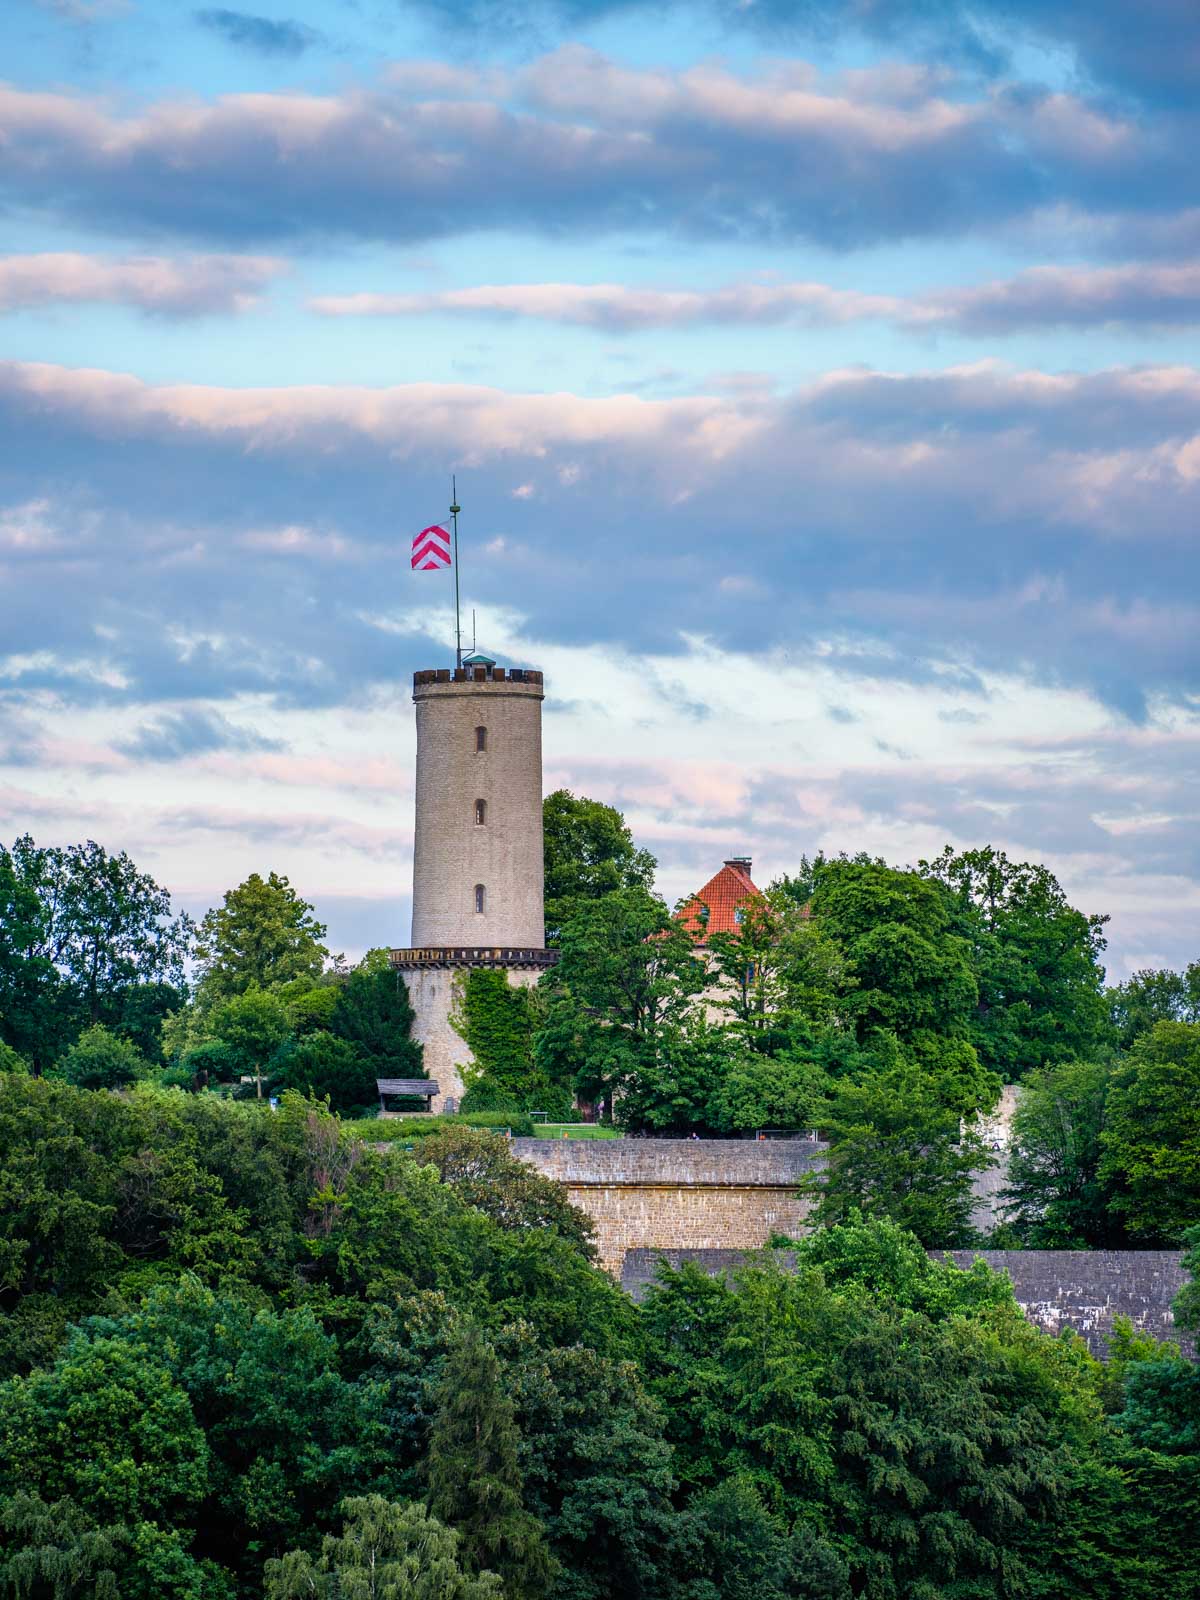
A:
x,y
702,1194
1080,1289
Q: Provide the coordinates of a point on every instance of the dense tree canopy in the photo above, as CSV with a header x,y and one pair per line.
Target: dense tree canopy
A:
x,y
907,969
589,852
1056,1197
899,1153
620,995
261,935
1036,961
85,938
248,1351
1151,1139
385,1552
1150,997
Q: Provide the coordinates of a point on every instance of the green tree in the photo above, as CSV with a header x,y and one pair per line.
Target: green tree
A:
x,y
899,1152
776,966
1187,1301
597,1470
907,970
385,1552
58,1552
284,1432
374,1015
38,1011
921,1450
1035,959
619,995
10,1061
81,931
311,1006
101,1060
107,1427
253,1026
1150,997
1054,1193
589,852
474,1475
784,1091
58,1199
889,1263
744,1552
326,1067
481,1169
112,928
678,1087
261,936
1151,1138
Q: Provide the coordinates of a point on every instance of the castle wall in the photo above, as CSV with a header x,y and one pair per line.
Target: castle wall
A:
x,y
704,1194
1085,1290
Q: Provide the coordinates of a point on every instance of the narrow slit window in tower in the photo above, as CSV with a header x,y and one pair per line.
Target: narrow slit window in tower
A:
x,y
480,740
480,898
480,813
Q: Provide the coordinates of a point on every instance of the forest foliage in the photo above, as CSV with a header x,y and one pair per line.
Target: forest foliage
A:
x,y
247,1351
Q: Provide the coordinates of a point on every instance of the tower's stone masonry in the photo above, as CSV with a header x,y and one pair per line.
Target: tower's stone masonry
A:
x,y
477,848
431,991
479,744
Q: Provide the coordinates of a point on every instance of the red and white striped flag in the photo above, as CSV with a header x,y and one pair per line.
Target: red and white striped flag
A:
x,y
431,549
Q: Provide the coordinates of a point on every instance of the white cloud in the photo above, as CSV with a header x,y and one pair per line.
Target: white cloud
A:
x,y
182,286
1144,295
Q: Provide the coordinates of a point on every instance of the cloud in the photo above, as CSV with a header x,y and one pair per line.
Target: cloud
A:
x,y
923,528
708,752
263,35
1157,61
1141,295
1135,295
577,141
615,308
177,735
185,286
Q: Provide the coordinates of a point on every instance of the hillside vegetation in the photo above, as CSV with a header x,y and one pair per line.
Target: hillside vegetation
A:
x,y
247,1351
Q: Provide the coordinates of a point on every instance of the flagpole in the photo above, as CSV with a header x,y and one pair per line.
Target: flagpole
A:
x,y
454,510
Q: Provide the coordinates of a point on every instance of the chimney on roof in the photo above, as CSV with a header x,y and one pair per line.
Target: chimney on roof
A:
x,y
742,862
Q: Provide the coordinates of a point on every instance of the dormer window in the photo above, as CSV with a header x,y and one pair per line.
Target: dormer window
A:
x,y
480,740
480,813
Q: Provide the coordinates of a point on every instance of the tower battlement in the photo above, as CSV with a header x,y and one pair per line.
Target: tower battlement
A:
x,y
525,676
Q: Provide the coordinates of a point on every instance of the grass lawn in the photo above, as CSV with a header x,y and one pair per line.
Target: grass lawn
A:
x,y
574,1130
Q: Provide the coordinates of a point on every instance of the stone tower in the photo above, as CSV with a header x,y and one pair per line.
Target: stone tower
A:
x,y
477,847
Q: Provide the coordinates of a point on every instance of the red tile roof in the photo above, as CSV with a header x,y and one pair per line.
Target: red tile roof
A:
x,y
723,894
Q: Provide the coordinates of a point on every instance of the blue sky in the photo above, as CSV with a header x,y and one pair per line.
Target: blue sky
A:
x,y
821,381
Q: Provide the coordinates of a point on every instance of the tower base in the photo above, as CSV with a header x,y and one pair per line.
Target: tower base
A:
x,y
429,978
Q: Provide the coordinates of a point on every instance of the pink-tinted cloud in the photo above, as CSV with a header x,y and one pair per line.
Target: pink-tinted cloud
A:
x,y
578,139
1138,294
617,308
407,419
909,525
184,286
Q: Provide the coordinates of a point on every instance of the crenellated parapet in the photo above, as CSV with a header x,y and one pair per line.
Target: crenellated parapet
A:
x,y
513,957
